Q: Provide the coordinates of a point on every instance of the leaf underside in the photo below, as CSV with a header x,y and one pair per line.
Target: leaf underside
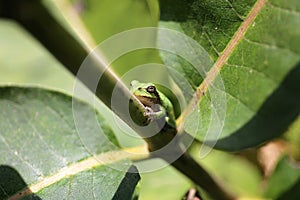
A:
x,y
39,140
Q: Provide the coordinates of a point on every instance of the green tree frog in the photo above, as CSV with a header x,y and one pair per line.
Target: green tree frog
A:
x,y
158,109
156,103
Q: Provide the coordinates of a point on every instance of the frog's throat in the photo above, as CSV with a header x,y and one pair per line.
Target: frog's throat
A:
x,y
147,101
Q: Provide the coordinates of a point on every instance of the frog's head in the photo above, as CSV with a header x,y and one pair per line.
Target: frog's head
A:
x,y
145,92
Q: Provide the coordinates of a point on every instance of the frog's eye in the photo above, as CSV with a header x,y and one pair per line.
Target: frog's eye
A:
x,y
151,89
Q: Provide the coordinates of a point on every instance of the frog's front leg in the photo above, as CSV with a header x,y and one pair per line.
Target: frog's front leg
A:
x,y
155,112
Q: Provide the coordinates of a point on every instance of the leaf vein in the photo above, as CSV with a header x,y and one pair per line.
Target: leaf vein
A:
x,y
237,99
214,71
254,70
93,185
14,151
269,46
235,11
40,136
211,43
69,187
69,126
89,163
291,11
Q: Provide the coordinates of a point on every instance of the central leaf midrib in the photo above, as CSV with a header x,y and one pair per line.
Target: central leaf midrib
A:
x,y
221,61
86,164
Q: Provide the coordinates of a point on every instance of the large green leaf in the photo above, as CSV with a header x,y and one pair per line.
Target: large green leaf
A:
x,y
34,64
43,149
255,45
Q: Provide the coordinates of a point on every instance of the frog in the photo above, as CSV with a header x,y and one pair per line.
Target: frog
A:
x,y
157,104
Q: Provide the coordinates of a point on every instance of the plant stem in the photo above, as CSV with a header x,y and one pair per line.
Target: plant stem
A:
x,y
66,48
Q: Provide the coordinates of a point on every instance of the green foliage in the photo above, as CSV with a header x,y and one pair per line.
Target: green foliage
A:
x,y
38,137
261,74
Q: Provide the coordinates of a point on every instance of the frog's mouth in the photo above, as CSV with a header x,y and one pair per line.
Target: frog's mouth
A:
x,y
146,101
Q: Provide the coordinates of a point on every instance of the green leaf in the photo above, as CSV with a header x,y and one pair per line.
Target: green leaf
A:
x,y
34,64
44,149
284,183
255,46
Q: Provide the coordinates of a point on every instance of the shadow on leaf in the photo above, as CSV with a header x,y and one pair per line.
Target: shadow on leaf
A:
x,y
273,118
12,185
127,186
